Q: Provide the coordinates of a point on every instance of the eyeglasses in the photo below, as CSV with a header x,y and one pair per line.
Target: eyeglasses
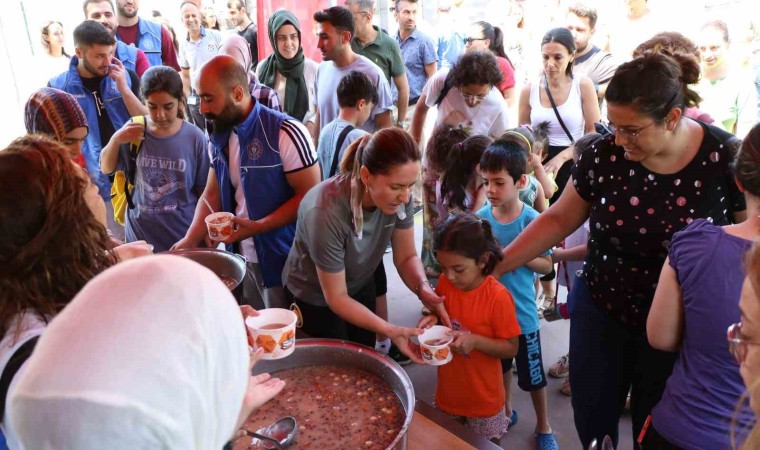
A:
x,y
470,40
629,135
738,344
473,98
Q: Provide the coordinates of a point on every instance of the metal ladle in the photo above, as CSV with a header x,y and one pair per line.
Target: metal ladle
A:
x,y
277,436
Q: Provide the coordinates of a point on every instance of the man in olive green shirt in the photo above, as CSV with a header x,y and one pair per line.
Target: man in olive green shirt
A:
x,y
381,49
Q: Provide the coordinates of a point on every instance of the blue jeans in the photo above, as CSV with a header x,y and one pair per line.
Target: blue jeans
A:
x,y
608,360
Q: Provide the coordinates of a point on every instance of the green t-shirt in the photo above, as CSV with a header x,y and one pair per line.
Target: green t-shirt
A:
x,y
383,51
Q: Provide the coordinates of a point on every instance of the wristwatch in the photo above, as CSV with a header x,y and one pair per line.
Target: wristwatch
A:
x,y
402,123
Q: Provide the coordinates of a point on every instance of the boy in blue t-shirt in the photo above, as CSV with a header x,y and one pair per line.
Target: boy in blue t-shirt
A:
x,y
504,168
356,98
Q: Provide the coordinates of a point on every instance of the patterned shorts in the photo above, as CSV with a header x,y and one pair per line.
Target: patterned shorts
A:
x,y
492,427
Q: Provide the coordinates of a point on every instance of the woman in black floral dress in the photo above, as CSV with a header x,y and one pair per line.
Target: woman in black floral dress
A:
x,y
655,174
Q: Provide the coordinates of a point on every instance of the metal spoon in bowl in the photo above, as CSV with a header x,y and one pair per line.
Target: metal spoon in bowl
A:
x,y
277,436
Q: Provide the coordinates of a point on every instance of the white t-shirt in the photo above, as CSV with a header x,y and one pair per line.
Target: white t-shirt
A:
x,y
571,112
489,117
30,326
296,153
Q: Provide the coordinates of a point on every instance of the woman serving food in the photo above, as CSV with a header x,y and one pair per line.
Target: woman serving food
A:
x,y
344,226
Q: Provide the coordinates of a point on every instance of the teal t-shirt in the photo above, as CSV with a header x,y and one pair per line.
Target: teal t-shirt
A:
x,y
519,282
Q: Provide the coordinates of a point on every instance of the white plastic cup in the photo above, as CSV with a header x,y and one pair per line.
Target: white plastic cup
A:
x,y
274,330
219,225
436,351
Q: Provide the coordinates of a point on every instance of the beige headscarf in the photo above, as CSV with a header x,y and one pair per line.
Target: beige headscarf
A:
x,y
151,354
237,47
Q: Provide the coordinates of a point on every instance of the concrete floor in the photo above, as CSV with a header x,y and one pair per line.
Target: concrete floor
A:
x,y
404,309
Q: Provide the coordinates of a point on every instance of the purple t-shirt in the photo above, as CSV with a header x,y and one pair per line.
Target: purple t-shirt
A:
x,y
701,395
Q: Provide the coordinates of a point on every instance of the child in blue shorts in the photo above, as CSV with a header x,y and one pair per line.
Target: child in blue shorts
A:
x,y
504,167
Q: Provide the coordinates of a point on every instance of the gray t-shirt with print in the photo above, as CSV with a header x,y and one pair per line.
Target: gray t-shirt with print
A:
x,y
170,173
325,239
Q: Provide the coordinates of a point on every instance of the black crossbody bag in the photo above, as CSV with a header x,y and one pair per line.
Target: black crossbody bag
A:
x,y
556,113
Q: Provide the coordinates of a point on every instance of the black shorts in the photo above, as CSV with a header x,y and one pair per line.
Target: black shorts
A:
x,y
381,281
530,366
322,322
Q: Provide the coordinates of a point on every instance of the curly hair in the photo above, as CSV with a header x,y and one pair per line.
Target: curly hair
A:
x,y
669,42
476,68
52,243
444,137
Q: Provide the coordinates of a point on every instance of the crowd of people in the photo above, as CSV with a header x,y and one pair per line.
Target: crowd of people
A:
x,y
631,177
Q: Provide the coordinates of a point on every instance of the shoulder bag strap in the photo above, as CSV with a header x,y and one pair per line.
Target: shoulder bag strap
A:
x,y
338,144
17,360
556,113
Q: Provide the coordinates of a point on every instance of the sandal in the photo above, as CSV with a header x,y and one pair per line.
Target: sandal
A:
x,y
549,304
546,441
513,419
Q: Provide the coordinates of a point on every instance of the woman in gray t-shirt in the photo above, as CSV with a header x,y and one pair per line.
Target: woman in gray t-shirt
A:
x,y
344,226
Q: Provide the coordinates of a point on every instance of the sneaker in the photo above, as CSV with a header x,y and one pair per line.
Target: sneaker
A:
x,y
561,368
565,388
395,354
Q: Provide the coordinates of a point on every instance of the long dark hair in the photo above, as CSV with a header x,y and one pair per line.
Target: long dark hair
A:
x,y
444,138
52,243
468,236
164,79
564,37
496,38
462,160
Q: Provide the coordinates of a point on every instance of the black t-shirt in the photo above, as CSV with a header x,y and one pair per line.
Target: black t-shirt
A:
x,y
249,34
104,122
635,212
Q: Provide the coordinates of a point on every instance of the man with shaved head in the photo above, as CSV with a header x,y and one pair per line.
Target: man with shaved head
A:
x,y
262,164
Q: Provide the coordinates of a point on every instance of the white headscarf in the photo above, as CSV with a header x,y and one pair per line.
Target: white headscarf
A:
x,y
152,354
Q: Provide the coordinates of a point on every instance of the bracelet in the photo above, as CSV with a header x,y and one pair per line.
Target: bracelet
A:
x,y
419,286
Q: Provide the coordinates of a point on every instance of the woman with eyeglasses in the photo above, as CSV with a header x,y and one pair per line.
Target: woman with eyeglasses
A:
x,y
743,341
696,300
485,37
657,173
466,97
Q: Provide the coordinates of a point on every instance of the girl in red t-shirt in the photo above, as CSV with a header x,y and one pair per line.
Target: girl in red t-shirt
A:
x,y
485,327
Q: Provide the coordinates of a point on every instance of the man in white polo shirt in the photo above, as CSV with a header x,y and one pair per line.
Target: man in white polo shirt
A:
x,y
199,46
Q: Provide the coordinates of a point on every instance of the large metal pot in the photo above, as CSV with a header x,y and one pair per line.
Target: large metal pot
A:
x,y
310,352
222,263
